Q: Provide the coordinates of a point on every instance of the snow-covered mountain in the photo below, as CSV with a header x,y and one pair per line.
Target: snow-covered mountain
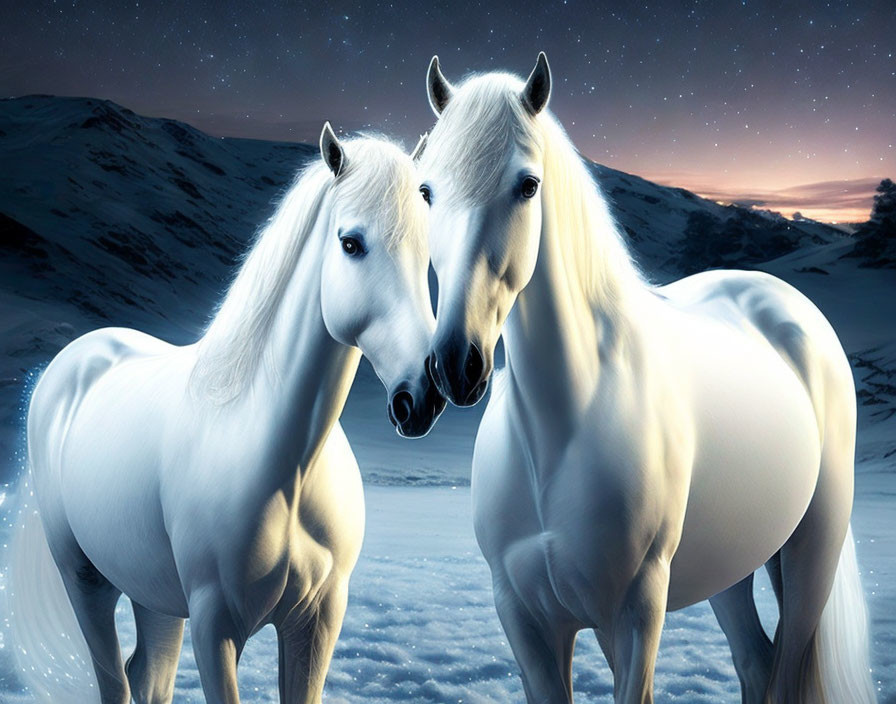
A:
x,y
126,218
107,217
675,232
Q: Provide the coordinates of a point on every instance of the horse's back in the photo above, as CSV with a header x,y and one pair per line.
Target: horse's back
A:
x,y
765,368
768,308
777,311
68,379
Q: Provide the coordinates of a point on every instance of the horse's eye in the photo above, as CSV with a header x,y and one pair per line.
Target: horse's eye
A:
x,y
352,246
426,193
529,187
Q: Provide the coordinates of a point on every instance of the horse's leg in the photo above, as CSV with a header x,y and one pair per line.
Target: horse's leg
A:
x,y
606,646
773,568
751,649
94,598
306,640
542,650
636,633
808,562
218,642
152,668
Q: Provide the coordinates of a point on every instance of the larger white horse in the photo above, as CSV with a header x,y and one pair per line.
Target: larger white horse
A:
x,y
645,448
213,481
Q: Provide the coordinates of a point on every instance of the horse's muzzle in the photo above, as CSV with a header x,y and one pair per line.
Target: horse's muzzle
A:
x,y
460,371
413,411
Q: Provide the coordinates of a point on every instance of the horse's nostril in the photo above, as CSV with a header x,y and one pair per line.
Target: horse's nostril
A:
x,y
474,366
402,404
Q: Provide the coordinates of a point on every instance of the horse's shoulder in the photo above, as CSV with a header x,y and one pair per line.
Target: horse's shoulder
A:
x,y
120,342
338,451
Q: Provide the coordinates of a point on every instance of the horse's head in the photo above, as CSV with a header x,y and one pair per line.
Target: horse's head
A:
x,y
374,288
481,171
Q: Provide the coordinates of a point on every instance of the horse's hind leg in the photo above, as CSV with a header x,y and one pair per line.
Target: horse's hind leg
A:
x,y
809,561
152,668
773,569
751,649
94,598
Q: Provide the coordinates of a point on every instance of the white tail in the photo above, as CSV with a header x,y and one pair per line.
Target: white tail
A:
x,y
53,658
841,642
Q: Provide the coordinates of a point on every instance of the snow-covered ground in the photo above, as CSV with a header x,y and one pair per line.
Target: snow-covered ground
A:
x,y
421,627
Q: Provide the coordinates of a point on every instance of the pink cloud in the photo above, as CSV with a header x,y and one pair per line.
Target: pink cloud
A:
x,y
828,201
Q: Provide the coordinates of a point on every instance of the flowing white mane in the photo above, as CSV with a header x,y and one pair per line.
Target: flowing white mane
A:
x,y
478,132
576,209
232,344
483,124
376,182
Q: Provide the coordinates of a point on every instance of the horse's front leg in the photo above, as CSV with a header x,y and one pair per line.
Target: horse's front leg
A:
x,y
218,641
542,648
306,638
636,632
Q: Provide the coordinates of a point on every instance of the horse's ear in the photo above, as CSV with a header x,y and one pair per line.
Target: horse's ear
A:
x,y
331,150
421,145
538,87
437,87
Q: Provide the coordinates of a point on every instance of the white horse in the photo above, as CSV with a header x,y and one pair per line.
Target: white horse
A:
x,y
645,448
213,481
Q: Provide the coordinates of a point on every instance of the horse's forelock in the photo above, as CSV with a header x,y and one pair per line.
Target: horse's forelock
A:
x,y
478,132
380,182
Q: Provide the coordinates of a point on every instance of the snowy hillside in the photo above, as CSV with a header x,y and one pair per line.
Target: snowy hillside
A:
x,y
675,232
128,218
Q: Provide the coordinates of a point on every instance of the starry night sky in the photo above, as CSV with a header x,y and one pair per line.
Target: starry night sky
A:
x,y
772,102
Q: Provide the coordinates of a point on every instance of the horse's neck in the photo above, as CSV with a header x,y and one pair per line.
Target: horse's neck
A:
x,y
306,375
562,334
551,339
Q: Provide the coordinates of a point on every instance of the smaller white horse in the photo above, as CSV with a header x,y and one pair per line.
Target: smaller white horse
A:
x,y
645,448
213,481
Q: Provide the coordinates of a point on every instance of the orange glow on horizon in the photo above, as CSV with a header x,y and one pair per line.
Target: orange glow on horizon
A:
x,y
835,202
